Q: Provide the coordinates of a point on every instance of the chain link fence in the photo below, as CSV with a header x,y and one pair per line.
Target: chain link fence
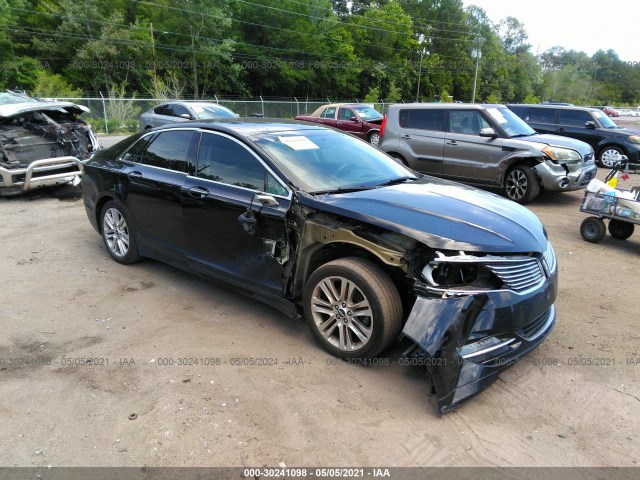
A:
x,y
120,115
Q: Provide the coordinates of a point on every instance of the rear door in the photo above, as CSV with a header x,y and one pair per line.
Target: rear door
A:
x,y
467,155
152,186
422,134
223,186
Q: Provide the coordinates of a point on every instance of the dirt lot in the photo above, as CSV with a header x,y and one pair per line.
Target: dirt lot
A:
x,y
574,401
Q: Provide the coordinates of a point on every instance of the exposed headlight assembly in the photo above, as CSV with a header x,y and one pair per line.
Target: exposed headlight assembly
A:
x,y
459,273
559,154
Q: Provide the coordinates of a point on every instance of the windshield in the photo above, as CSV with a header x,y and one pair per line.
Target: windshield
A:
x,y
512,125
604,120
367,113
212,110
319,161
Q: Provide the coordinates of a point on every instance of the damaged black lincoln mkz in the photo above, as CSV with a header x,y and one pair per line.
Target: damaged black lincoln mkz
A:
x,y
312,220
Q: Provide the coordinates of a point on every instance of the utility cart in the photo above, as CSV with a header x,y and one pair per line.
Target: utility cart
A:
x,y
620,207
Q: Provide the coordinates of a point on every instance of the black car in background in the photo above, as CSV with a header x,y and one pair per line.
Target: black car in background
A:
x,y
314,221
591,125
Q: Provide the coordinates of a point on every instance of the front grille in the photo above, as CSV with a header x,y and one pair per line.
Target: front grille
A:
x,y
518,275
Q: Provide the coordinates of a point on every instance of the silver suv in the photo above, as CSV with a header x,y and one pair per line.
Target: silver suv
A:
x,y
485,145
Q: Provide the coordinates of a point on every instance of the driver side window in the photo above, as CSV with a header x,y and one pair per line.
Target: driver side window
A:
x,y
224,160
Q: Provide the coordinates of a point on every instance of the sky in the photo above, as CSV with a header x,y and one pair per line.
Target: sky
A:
x,y
575,25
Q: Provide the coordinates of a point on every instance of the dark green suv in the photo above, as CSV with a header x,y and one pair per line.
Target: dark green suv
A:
x,y
590,125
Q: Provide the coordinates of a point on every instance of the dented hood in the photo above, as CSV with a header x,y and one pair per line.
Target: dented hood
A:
x,y
441,214
14,109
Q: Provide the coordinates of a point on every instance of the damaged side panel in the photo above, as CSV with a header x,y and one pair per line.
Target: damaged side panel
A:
x,y
326,233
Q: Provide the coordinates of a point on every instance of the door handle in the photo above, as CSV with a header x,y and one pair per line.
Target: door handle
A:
x,y
406,136
561,129
339,123
452,143
198,192
134,175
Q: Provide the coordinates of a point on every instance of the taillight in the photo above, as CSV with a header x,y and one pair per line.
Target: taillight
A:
x,y
384,124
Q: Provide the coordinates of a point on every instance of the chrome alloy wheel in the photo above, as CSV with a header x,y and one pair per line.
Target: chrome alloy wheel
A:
x,y
342,313
116,232
516,184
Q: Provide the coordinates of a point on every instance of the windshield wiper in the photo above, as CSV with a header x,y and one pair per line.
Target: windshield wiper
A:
x,y
341,190
396,181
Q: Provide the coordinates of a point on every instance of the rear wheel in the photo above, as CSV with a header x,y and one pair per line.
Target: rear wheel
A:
x,y
593,229
620,230
353,308
521,184
117,233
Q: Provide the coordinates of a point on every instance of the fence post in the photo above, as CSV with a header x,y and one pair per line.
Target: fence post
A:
x,y
216,98
104,112
262,103
297,106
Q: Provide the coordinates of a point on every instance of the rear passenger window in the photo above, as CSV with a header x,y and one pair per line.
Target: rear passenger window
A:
x,y
169,150
329,113
541,115
575,118
427,119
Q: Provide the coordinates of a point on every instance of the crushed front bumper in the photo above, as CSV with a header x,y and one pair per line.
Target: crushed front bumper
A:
x,y
466,340
555,177
40,173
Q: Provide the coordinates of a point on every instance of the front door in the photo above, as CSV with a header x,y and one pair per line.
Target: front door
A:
x,y
468,156
227,180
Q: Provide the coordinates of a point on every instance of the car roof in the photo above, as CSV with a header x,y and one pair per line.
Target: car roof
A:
x,y
559,107
246,127
449,106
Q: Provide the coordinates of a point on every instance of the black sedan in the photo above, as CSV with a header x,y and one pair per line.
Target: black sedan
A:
x,y
314,221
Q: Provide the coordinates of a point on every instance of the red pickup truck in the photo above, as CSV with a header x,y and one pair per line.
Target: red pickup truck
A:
x,y
361,120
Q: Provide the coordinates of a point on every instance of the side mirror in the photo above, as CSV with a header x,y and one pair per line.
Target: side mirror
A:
x,y
267,200
186,115
488,132
590,124
248,219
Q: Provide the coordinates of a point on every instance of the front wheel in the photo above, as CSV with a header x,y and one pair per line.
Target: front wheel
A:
x,y
521,184
609,156
593,229
620,230
353,308
117,234
374,138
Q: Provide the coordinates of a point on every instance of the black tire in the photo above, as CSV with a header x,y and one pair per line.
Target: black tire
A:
x,y
349,332
521,184
374,138
400,159
117,233
609,156
593,229
620,230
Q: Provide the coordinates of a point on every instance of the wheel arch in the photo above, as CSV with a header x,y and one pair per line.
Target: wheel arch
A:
x,y
517,162
102,201
322,253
